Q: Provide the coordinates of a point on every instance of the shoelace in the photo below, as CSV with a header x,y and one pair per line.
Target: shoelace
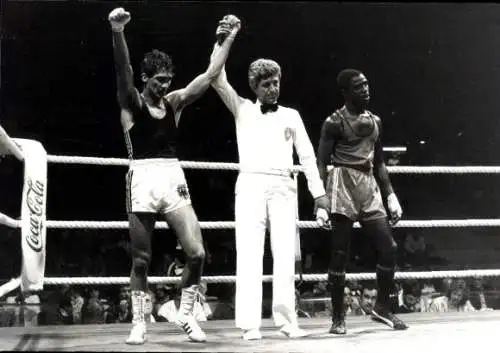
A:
x,y
188,298
137,307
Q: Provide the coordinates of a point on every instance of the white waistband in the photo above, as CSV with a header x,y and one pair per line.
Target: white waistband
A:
x,y
154,162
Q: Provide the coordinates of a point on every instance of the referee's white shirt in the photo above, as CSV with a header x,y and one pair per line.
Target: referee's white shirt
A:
x,y
266,141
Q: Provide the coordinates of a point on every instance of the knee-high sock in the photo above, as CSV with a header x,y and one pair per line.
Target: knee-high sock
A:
x,y
386,285
336,283
340,244
381,232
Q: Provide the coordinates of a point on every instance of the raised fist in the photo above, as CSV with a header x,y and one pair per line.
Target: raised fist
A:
x,y
228,24
118,19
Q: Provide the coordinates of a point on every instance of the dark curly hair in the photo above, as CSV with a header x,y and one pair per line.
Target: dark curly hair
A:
x,y
156,61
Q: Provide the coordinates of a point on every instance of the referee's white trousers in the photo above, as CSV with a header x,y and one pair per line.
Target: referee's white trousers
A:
x,y
261,199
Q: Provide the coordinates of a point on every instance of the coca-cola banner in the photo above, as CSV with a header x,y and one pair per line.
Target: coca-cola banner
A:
x,y
33,214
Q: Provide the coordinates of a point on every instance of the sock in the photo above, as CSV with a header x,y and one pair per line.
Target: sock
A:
x,y
336,282
386,285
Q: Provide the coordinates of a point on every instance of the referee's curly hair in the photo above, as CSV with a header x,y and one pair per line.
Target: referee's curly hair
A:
x,y
261,69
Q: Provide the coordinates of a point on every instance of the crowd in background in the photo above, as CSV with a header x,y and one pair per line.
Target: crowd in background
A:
x,y
442,134
103,304
68,255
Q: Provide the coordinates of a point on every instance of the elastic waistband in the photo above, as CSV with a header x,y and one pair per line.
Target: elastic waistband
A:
x,y
154,162
358,167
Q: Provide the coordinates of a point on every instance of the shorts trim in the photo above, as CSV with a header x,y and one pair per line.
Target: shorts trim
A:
x,y
128,191
177,207
335,185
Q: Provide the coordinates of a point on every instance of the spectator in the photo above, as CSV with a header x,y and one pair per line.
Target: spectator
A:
x,y
394,158
456,299
124,313
410,298
351,300
367,300
10,311
6,316
177,267
477,296
77,303
428,293
94,311
52,302
162,297
65,309
124,293
355,289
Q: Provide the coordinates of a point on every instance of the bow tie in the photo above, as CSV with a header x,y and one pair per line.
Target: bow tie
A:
x,y
266,107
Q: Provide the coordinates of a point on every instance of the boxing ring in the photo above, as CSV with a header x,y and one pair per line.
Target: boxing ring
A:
x,y
428,332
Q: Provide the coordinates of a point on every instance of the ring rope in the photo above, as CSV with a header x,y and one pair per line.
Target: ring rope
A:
x,y
10,146
269,278
297,168
441,223
301,224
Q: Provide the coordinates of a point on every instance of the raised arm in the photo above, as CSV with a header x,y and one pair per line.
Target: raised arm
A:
x,y
127,93
181,98
227,93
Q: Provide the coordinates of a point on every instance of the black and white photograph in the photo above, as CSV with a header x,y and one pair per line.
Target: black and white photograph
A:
x,y
249,176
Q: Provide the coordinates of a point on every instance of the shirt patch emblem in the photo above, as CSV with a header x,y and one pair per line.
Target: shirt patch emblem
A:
x,y
289,133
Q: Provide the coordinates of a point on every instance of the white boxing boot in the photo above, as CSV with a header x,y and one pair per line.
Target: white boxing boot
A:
x,y
185,317
138,332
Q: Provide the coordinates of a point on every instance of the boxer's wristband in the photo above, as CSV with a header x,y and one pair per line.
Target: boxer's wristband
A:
x,y
117,28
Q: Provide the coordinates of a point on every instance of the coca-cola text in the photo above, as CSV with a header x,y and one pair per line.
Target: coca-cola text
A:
x,y
34,201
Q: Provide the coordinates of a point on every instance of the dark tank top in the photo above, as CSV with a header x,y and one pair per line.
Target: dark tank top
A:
x,y
354,148
150,137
